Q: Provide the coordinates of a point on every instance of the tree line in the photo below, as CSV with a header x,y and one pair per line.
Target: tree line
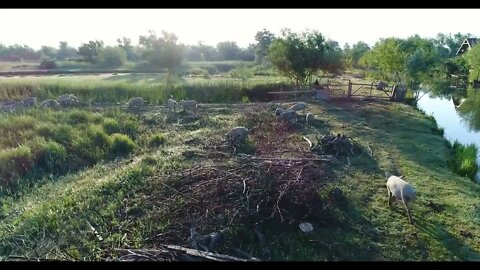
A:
x,y
299,56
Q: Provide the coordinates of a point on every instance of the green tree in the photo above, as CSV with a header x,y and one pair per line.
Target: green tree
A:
x,y
65,51
247,54
358,50
228,50
89,51
368,60
389,58
333,58
299,56
48,52
473,60
162,52
422,58
347,55
126,45
111,57
264,38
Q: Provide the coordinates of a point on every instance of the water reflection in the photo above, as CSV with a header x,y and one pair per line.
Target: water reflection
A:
x,y
469,109
458,115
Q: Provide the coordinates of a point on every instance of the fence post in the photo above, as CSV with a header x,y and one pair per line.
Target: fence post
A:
x,y
349,88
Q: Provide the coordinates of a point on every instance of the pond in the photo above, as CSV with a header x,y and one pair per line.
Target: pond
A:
x,y
459,117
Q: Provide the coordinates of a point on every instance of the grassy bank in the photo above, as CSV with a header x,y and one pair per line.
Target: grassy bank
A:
x,y
465,160
44,143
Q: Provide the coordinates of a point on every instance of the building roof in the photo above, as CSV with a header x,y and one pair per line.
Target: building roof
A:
x,y
467,44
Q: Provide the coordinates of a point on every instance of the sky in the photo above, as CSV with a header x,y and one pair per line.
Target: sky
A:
x,y
36,27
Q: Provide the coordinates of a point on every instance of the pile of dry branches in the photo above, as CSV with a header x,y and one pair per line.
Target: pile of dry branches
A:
x,y
280,183
247,192
338,145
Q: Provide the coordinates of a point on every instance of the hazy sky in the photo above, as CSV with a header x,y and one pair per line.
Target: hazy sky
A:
x,y
36,27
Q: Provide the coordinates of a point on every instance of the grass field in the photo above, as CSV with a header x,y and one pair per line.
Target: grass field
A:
x,y
187,176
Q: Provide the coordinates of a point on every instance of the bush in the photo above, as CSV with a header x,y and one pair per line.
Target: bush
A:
x,y
47,63
121,145
98,137
49,155
14,162
77,117
156,140
129,127
464,161
111,125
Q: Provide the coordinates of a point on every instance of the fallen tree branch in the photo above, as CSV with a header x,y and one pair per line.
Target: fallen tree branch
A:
x,y
169,249
320,158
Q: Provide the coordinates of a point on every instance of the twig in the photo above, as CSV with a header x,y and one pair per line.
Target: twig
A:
x,y
309,142
283,193
97,234
371,151
204,254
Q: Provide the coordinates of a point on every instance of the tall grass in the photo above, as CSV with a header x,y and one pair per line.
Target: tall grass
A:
x,y
156,93
38,142
464,161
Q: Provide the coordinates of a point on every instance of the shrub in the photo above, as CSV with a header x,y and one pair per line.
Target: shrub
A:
x,y
156,140
111,125
121,145
14,162
47,63
49,155
464,161
77,117
129,127
98,137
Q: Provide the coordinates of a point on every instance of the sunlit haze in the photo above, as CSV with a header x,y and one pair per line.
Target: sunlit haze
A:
x,y
36,27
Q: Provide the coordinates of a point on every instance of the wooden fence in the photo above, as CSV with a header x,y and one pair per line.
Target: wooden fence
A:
x,y
335,90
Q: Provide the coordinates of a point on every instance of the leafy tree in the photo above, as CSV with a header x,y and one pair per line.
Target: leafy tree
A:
x,y
368,60
248,54
264,38
473,59
422,58
228,50
162,52
347,55
126,44
333,59
389,57
48,52
18,52
112,57
299,56
89,51
65,51
358,50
